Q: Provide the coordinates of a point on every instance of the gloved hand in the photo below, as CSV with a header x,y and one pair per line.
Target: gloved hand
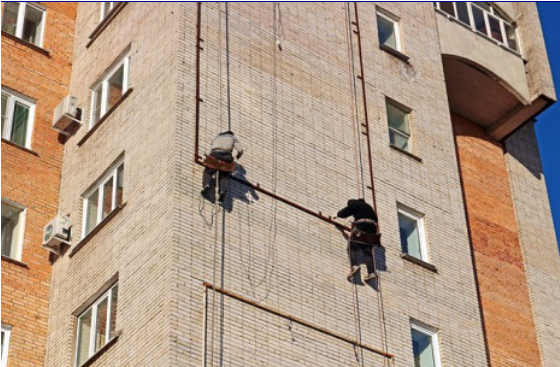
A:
x,y
238,156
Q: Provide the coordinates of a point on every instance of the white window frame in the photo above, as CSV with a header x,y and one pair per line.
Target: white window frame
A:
x,y
104,5
21,19
493,12
408,113
108,295
12,99
420,222
22,220
396,27
104,84
7,331
112,175
434,336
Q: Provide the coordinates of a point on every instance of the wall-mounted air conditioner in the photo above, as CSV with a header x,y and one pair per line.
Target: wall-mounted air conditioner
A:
x,y
56,234
66,114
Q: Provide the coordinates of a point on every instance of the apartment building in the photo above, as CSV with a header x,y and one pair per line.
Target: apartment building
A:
x,y
37,46
424,109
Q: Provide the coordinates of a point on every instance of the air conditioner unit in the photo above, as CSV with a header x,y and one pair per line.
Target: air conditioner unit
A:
x,y
65,114
56,234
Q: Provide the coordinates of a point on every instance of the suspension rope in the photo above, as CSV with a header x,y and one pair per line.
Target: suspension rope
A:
x,y
228,76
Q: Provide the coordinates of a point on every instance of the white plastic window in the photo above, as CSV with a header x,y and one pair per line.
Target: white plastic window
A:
x,y
25,21
400,134
13,219
105,197
412,233
106,93
4,349
96,325
18,115
425,346
388,31
106,7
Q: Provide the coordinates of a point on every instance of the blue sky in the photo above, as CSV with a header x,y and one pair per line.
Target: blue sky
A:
x,y
548,123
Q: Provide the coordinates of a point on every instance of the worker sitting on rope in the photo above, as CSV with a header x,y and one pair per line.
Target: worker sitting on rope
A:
x,y
221,148
364,226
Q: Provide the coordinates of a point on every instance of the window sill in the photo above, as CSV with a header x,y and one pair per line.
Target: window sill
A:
x,y
101,351
105,117
15,262
25,43
422,263
96,230
396,53
105,22
10,143
406,152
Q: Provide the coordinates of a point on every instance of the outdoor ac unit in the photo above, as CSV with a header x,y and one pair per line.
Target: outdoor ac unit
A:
x,y
66,113
56,233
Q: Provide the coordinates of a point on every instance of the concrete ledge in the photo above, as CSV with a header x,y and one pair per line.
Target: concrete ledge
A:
x,y
422,263
25,43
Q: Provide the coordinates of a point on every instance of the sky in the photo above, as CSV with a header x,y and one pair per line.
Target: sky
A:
x,y
548,123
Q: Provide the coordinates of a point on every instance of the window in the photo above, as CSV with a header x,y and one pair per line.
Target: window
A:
x,y
388,31
25,21
411,229
6,333
109,91
17,118
103,199
425,346
483,18
398,117
13,218
106,8
96,325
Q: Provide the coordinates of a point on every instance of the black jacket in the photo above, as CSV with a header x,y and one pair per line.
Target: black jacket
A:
x,y
359,209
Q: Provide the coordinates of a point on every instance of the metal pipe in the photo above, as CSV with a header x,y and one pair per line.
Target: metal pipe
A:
x,y
297,320
197,82
204,325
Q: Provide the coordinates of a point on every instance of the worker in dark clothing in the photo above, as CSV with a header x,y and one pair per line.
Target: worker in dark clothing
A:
x,y
221,148
365,222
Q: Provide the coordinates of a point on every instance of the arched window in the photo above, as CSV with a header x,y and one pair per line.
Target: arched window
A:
x,y
484,19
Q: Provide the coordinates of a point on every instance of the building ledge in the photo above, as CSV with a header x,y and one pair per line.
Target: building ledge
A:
x,y
104,118
27,150
15,262
419,262
27,44
396,53
102,350
105,22
96,230
406,152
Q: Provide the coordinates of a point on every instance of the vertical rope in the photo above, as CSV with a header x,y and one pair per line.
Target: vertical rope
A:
x,y
228,75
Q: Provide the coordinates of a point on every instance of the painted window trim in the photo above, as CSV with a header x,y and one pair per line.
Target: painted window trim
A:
x,y
22,219
111,175
107,295
408,112
433,333
396,26
421,223
104,84
7,330
21,18
12,99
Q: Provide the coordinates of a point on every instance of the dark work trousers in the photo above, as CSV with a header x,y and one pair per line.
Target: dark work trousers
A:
x,y
367,250
210,172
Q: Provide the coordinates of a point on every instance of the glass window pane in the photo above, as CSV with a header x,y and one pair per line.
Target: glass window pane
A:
x,y
10,230
410,237
116,83
447,7
9,21
511,37
115,291
399,140
20,122
495,29
107,198
4,108
91,211
97,104
386,32
32,25
479,23
483,5
84,337
397,118
120,183
101,324
462,12
423,349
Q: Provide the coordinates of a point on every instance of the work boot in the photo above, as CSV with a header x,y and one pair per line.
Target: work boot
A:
x,y
208,194
353,271
370,276
222,197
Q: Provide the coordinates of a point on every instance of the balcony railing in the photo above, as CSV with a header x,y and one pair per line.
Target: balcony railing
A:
x,y
483,19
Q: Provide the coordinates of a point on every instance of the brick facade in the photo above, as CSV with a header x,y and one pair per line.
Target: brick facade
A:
x,y
31,178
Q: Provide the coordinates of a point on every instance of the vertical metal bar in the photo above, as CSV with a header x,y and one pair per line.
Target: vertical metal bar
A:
x,y
197,82
204,324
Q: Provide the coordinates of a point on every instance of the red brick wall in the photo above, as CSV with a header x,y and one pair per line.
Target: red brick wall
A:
x,y
32,179
503,289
